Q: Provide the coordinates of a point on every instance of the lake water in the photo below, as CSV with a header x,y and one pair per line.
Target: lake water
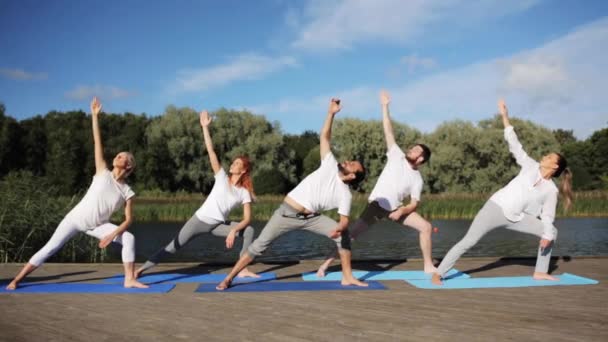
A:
x,y
385,240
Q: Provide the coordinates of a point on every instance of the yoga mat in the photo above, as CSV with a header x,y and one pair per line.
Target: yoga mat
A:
x,y
190,278
484,283
84,288
276,286
380,275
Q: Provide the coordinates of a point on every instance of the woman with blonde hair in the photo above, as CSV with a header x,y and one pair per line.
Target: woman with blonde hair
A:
x,y
108,192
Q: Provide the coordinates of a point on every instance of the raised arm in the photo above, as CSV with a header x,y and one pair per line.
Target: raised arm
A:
x,y
389,136
100,163
504,113
325,138
205,121
521,157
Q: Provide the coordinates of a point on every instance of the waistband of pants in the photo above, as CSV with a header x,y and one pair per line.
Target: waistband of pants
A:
x,y
298,214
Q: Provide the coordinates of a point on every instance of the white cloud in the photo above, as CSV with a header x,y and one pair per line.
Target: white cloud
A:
x,y
560,84
339,25
22,75
243,67
85,92
415,63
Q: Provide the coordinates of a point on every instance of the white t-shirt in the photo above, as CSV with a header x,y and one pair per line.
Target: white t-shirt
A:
x,y
104,196
520,196
223,197
397,181
323,189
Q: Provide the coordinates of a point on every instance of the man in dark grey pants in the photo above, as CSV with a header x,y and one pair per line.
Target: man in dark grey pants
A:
x,y
325,189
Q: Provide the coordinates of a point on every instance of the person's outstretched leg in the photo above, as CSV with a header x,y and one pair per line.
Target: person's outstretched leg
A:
x,y
189,231
247,235
355,230
425,230
64,232
488,218
276,226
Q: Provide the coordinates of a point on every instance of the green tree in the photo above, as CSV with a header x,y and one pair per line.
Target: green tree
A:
x,y
364,140
178,152
10,148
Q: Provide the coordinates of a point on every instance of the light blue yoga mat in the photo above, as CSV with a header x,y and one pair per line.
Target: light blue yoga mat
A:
x,y
190,278
277,286
380,275
84,288
497,282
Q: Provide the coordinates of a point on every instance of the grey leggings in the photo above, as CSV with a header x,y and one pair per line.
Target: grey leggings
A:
x,y
489,218
193,228
285,219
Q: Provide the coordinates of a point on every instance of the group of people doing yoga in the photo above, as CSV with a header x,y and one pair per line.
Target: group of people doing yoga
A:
x,y
526,204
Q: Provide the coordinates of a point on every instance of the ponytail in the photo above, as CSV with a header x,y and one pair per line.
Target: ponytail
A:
x,y
565,188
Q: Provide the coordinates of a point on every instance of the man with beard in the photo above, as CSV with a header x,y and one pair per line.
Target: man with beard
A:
x,y
399,178
325,189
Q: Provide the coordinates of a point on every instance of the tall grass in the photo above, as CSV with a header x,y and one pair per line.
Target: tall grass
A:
x,y
172,208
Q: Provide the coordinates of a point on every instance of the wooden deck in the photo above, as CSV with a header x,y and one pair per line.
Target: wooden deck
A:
x,y
402,313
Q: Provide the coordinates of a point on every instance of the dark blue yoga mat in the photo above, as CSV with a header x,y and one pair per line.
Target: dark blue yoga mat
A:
x,y
502,282
276,286
380,275
191,278
84,288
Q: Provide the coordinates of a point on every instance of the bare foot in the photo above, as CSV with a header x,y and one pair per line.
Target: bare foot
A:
x,y
430,269
223,285
436,279
353,281
135,284
321,272
138,273
247,273
543,276
11,286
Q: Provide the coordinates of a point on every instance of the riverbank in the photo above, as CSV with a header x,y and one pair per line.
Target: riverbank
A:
x,y
403,312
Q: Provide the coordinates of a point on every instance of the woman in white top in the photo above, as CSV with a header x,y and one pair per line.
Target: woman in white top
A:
x,y
527,204
108,192
228,191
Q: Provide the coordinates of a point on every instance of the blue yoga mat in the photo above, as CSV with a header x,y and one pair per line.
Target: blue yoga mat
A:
x,y
380,275
191,278
276,286
84,288
484,283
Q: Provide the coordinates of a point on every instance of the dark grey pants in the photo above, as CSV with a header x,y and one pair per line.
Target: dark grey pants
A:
x,y
193,228
491,217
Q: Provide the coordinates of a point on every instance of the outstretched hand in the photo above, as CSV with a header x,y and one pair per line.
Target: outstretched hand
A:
x,y
334,106
230,239
502,108
95,106
205,118
385,98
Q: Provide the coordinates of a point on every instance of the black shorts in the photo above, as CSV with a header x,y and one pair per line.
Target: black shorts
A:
x,y
373,213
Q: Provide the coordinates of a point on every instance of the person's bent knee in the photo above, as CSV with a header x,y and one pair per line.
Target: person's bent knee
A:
x,y
128,239
248,232
427,228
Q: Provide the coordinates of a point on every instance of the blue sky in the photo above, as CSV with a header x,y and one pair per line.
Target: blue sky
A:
x,y
441,60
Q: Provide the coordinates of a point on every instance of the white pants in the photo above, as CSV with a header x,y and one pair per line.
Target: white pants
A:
x,y
66,230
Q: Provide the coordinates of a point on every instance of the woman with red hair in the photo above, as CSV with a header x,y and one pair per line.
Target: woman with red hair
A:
x,y
230,189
